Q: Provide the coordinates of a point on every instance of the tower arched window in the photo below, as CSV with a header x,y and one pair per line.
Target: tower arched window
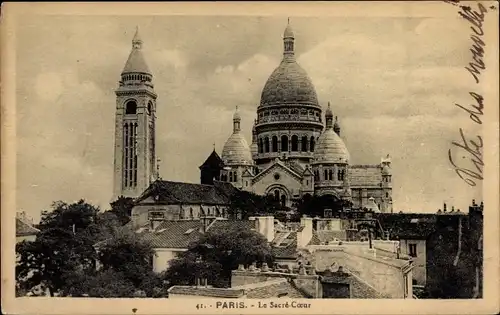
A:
x,y
150,108
330,175
131,108
316,175
295,143
261,147
275,144
283,200
276,195
303,144
326,174
338,175
311,144
284,143
266,144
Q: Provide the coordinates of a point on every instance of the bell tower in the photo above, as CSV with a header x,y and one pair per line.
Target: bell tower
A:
x,y
135,156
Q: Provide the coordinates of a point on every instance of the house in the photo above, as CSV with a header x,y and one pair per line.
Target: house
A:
x,y
168,200
25,231
169,238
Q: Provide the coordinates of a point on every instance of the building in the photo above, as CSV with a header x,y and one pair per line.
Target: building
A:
x,y
294,152
25,231
135,126
167,200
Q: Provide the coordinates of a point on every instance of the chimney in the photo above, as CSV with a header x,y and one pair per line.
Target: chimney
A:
x,y
265,226
305,233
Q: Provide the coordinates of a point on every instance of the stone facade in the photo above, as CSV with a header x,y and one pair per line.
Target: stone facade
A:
x,y
293,152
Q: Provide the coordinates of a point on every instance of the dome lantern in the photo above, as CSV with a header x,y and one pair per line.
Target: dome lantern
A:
x,y
329,117
288,43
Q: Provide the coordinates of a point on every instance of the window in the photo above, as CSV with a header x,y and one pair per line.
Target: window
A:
x,y
303,144
275,144
235,177
412,250
326,174
284,143
311,145
283,200
295,143
150,108
266,144
261,146
231,177
131,108
330,175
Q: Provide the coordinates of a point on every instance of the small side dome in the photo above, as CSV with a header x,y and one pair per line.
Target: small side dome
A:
x,y
331,149
236,150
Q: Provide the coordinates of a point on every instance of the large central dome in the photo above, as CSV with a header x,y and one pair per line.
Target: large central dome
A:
x,y
289,84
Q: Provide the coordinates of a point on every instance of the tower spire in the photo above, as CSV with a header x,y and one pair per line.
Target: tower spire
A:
x,y
137,41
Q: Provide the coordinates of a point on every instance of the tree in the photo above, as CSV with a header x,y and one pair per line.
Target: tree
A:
x,y
53,258
122,208
316,205
130,256
216,254
245,204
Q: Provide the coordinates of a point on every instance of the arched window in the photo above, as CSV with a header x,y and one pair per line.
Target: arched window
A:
x,y
330,175
276,195
284,143
231,177
191,213
311,144
304,144
131,108
326,174
295,143
235,176
283,200
338,175
275,144
150,108
266,144
316,175
261,146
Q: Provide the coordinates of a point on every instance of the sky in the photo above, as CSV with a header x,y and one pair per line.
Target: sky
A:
x,y
392,82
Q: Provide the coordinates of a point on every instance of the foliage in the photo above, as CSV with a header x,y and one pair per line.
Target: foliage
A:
x,y
245,204
316,205
63,258
128,255
122,208
216,254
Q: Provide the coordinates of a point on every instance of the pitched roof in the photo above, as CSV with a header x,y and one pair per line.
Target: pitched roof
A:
x,y
172,234
180,234
207,291
24,229
287,246
169,192
365,176
213,161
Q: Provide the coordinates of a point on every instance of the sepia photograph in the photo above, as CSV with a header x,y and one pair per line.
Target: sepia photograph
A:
x,y
253,162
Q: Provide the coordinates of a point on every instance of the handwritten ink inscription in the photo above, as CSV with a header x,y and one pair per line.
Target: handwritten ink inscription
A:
x,y
470,167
